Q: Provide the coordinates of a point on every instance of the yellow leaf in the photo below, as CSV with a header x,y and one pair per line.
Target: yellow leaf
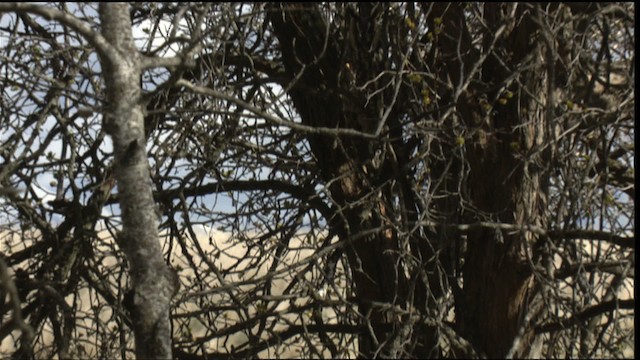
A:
x,y
410,24
608,199
415,78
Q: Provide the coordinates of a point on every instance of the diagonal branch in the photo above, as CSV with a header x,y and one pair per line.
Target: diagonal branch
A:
x,y
101,45
587,314
271,118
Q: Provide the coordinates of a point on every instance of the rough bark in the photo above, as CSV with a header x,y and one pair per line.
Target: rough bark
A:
x,y
324,96
151,280
497,276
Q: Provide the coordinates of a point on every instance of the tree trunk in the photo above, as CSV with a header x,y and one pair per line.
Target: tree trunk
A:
x,y
502,187
151,280
358,186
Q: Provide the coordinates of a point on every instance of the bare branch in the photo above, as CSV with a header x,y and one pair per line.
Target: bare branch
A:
x,y
93,37
588,313
271,118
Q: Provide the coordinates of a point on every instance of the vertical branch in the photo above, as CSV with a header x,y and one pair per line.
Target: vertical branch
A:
x,y
124,121
8,287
